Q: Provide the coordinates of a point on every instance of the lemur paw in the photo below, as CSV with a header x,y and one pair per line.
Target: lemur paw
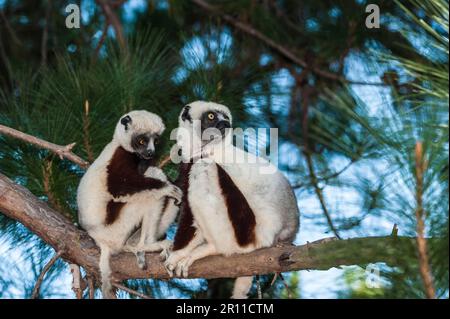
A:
x,y
176,193
171,262
166,249
164,254
182,268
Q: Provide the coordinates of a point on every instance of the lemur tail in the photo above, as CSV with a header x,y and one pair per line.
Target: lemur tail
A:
x,y
105,272
242,286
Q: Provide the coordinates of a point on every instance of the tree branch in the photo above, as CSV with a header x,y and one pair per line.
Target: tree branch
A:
x,y
282,50
18,203
424,265
46,268
45,33
319,193
61,151
131,291
112,19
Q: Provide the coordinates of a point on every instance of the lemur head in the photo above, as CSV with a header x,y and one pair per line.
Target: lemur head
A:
x,y
211,116
138,132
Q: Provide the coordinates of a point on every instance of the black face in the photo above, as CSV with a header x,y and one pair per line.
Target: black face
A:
x,y
215,119
144,145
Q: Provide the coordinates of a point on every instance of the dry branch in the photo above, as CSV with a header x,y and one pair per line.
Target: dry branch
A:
x,y
131,291
424,264
46,268
60,150
18,203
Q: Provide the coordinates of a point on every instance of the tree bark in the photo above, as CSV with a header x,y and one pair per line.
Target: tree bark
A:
x,y
18,203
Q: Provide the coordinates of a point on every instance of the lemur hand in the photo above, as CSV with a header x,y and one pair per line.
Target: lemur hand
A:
x,y
175,193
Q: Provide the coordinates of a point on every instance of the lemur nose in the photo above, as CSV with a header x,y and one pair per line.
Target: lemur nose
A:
x,y
223,125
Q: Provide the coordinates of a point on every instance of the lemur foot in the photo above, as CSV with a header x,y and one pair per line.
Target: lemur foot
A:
x,y
182,267
140,257
172,261
164,254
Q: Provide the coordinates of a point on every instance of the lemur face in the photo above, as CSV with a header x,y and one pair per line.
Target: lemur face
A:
x,y
214,118
139,132
144,144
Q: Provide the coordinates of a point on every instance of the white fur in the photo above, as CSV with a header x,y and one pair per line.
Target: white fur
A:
x,y
270,197
145,206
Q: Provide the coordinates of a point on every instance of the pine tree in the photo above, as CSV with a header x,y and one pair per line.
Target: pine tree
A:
x,y
362,117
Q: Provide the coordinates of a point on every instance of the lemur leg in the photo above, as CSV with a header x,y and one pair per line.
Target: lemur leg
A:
x,y
105,272
200,252
167,218
147,235
175,256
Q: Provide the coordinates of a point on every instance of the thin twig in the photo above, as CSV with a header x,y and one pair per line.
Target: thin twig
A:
x,y
46,268
328,177
114,21
9,28
45,34
424,264
91,287
86,135
275,277
250,30
306,94
101,41
164,161
319,194
76,281
286,286
131,291
258,287
394,232
61,151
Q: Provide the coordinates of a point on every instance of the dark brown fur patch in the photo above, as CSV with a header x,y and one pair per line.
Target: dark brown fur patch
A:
x,y
239,211
113,211
165,204
124,177
186,230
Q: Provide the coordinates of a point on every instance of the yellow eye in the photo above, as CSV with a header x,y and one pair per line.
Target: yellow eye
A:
x,y
142,141
211,116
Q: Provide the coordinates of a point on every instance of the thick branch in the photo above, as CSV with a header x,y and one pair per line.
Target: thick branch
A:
x,y
60,150
19,204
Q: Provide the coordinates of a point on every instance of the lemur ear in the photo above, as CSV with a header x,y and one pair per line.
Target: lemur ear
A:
x,y
125,121
185,115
